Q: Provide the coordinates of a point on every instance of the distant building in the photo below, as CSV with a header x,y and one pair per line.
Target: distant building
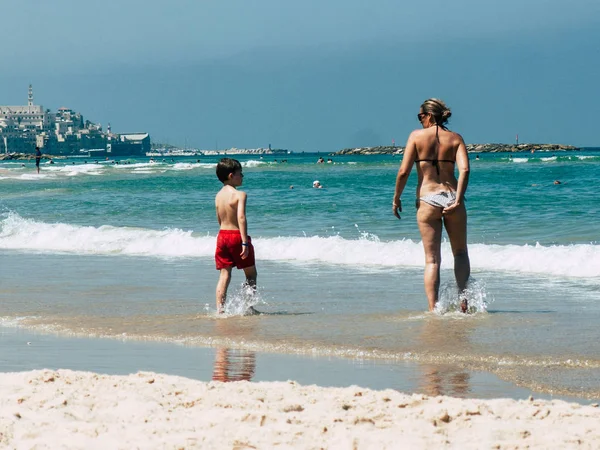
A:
x,y
20,125
65,132
128,144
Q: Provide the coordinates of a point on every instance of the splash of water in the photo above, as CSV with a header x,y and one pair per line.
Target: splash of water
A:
x,y
366,236
476,295
242,302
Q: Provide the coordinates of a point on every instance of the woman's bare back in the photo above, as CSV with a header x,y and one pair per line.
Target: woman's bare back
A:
x,y
437,150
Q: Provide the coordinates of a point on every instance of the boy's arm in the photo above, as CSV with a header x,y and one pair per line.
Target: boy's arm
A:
x,y
217,210
242,224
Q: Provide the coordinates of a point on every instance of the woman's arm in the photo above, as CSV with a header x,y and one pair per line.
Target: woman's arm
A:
x,y
462,162
408,160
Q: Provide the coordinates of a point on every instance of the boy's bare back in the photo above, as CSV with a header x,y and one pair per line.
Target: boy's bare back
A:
x,y
231,207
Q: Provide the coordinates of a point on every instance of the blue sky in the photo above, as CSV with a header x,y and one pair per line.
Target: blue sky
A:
x,y
311,75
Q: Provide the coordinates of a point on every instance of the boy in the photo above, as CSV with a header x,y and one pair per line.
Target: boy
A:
x,y
234,246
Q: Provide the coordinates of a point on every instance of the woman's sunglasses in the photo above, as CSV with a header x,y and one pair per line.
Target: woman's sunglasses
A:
x,y
420,116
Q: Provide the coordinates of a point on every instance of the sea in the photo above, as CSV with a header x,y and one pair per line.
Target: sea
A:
x,y
108,266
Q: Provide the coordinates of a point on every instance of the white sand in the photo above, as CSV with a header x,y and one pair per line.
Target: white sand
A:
x,y
66,409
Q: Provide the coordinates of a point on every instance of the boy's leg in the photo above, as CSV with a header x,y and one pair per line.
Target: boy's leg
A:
x,y
251,274
222,285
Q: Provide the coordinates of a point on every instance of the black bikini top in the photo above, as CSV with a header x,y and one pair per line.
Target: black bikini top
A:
x,y
434,162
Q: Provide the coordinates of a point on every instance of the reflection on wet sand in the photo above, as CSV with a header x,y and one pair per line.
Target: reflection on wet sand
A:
x,y
441,335
234,365
442,380
230,364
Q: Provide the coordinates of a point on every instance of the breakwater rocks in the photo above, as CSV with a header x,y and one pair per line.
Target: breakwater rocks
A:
x,y
471,148
25,156
495,148
380,150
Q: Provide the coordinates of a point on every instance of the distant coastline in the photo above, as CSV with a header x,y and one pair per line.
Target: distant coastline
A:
x,y
471,148
379,150
163,150
161,153
27,156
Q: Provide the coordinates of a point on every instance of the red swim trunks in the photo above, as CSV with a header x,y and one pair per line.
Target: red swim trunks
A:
x,y
229,248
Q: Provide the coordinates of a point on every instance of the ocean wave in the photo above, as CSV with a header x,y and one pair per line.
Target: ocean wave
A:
x,y
252,163
18,233
549,159
134,165
57,171
184,166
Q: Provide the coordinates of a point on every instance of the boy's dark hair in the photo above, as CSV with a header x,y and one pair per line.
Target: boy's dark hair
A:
x,y
227,166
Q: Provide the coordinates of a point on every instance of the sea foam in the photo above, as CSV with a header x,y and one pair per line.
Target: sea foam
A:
x,y
21,234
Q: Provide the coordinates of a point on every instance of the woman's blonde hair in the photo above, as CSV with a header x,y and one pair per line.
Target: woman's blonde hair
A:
x,y
438,110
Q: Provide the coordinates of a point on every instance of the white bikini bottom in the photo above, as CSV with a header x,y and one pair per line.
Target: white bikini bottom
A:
x,y
442,199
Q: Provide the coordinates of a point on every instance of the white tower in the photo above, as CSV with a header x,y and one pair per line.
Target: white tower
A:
x,y
30,100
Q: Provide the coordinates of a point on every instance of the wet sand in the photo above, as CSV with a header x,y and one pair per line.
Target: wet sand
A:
x,y
22,350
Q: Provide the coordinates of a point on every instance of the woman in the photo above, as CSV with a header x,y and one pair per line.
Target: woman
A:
x,y
440,196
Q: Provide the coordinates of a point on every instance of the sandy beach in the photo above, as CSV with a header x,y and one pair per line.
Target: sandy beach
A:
x,y
68,409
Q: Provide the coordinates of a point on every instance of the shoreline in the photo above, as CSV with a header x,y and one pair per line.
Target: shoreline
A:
x,y
24,350
85,409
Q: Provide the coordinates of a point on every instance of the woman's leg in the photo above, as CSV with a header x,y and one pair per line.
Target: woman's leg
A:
x,y
429,219
456,226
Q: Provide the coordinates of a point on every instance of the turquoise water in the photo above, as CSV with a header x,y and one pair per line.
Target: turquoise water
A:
x,y
126,251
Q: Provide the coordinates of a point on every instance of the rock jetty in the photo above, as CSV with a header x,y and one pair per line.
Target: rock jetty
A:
x,y
495,148
380,150
471,148
25,156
